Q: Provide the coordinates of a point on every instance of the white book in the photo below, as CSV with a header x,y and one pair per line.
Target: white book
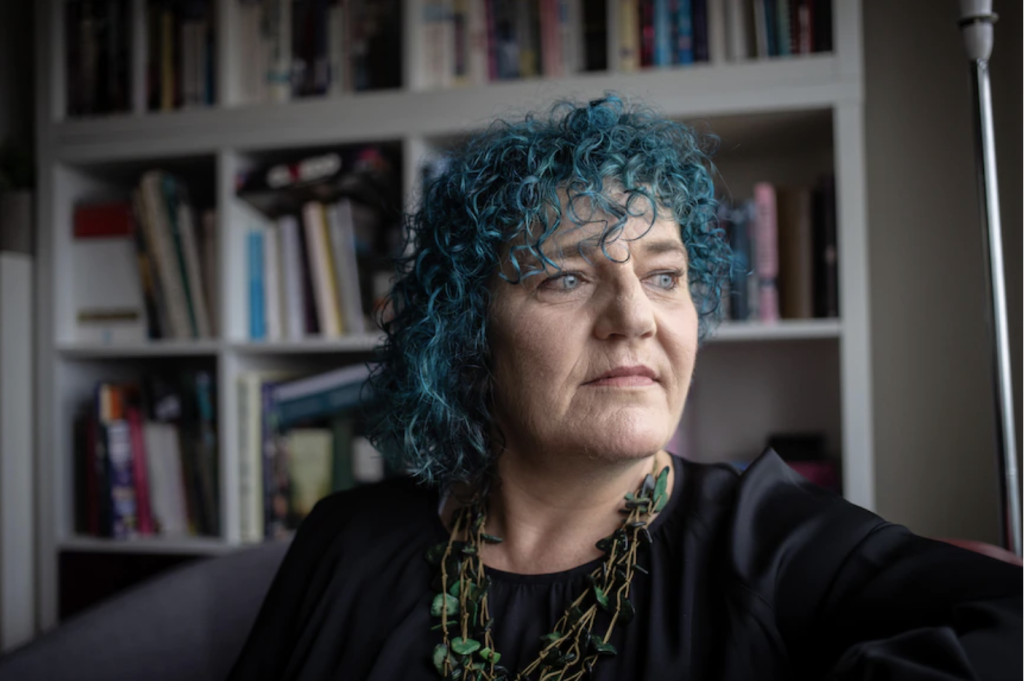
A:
x,y
161,246
272,313
293,297
343,248
196,287
109,307
736,30
322,269
166,482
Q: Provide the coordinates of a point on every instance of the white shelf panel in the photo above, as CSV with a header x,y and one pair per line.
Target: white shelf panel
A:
x,y
359,343
162,348
185,545
783,330
759,86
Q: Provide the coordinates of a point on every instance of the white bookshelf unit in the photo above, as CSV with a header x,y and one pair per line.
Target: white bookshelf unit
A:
x,y
783,120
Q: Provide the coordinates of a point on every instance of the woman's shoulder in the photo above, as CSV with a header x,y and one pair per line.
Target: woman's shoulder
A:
x,y
377,511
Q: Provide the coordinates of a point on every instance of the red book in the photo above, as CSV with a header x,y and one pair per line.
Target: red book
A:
x,y
142,505
104,219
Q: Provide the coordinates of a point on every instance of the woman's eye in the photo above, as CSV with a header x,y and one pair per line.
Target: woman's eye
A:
x,y
667,280
564,282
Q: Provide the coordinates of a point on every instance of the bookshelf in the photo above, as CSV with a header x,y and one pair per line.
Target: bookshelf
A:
x,y
783,120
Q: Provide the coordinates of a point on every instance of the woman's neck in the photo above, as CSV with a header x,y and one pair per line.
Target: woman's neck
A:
x,y
550,512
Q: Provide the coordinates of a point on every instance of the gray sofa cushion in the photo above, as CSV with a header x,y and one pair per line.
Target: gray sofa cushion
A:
x,y
189,624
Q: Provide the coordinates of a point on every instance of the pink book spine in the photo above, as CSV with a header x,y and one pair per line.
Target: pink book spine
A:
x,y
767,252
142,507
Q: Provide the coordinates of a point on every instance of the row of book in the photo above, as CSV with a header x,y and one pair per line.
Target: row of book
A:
x,y
304,281
290,49
171,44
785,251
146,461
145,267
300,439
776,28
320,248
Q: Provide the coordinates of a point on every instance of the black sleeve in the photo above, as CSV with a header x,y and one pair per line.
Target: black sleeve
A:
x,y
856,597
276,634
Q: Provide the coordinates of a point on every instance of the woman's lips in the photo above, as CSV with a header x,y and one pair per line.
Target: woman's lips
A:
x,y
635,380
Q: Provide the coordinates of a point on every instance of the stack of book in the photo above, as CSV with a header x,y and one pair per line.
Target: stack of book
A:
x,y
290,49
299,440
158,263
146,459
321,260
180,54
473,42
170,45
784,251
98,51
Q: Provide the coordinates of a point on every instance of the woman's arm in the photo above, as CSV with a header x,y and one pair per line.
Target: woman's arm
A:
x,y
856,597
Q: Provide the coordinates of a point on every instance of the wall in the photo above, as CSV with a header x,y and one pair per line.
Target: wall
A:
x,y
934,415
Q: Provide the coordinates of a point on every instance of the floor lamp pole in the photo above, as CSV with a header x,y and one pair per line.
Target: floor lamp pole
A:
x,y
976,20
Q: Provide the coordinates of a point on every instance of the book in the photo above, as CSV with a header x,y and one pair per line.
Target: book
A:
x,y
341,225
766,252
292,266
257,327
159,241
826,256
310,454
683,32
318,396
167,487
273,325
796,252
321,267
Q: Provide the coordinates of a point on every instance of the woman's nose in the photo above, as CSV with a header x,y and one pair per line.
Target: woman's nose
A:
x,y
625,309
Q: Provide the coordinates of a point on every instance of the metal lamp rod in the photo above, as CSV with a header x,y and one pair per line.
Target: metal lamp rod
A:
x,y
976,20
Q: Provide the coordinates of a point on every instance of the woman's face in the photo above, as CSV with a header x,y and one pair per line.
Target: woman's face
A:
x,y
556,337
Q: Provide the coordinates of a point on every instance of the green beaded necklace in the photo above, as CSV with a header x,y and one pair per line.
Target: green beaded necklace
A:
x,y
572,648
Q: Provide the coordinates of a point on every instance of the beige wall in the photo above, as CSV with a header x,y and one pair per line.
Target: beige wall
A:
x,y
934,415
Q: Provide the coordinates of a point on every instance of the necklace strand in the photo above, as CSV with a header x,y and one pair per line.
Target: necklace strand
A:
x,y
572,648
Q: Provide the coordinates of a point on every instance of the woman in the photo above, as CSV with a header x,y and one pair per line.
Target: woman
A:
x,y
562,272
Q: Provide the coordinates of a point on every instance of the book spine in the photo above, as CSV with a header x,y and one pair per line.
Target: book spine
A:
x,y
736,30
272,283
139,472
279,34
193,272
207,451
826,269
684,32
337,47
629,35
319,265
291,266
158,236
783,19
257,330
646,24
700,31
348,271
275,472
327,403
662,33
568,37
767,252
476,42
122,487
172,200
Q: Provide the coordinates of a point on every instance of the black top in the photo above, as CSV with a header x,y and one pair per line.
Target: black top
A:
x,y
754,576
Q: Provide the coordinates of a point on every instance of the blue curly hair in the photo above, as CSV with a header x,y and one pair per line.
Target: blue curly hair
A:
x,y
432,386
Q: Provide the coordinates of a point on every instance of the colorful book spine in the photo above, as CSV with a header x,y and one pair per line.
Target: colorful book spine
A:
x,y
662,33
124,520
767,252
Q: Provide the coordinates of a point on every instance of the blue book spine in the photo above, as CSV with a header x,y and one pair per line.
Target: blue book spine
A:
x,y
772,34
684,32
319,405
700,30
257,330
662,33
